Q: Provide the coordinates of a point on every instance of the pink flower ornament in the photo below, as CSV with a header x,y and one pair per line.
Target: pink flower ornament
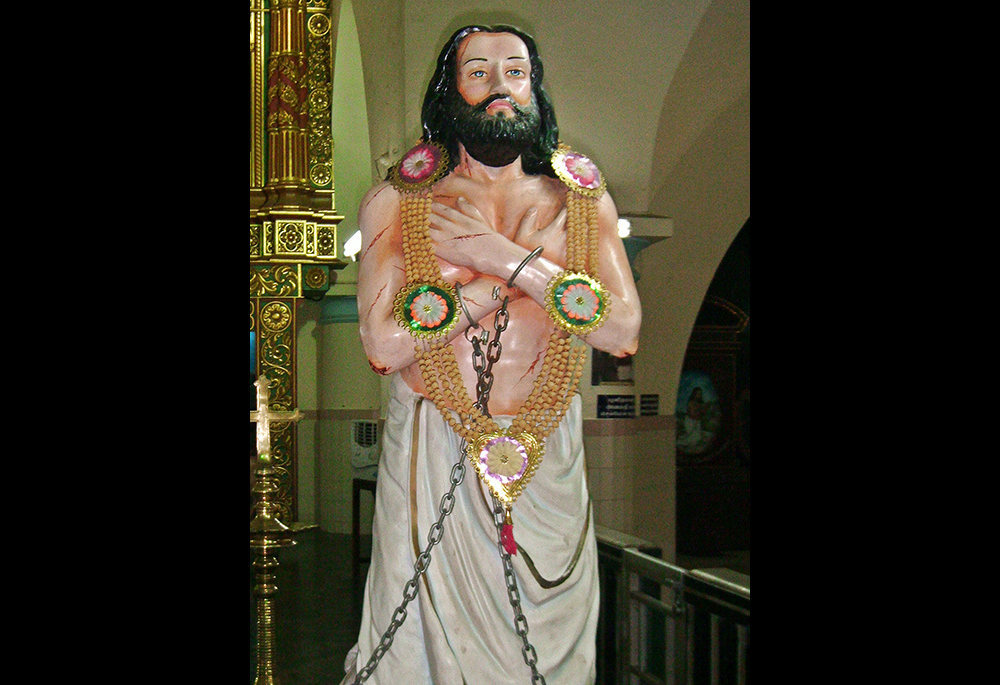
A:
x,y
420,168
579,301
429,309
583,171
504,459
419,164
578,172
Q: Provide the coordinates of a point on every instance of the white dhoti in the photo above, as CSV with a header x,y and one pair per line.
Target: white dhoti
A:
x,y
460,628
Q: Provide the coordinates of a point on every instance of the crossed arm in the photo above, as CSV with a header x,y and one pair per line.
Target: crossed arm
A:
x,y
481,259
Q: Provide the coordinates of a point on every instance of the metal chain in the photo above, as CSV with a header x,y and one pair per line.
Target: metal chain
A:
x,y
483,365
419,568
520,622
493,350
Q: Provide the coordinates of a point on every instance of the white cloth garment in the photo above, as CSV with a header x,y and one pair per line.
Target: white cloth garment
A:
x,y
460,627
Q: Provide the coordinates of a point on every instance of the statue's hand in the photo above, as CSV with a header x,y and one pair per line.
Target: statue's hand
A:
x,y
463,237
552,238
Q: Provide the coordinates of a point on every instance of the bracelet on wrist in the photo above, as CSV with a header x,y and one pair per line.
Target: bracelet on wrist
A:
x,y
461,303
534,253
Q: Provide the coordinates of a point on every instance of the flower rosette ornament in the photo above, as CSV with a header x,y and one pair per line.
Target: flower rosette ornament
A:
x,y
426,310
505,463
578,303
420,168
578,172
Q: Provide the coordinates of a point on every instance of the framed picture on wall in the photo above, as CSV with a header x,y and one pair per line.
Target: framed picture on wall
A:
x,y
699,414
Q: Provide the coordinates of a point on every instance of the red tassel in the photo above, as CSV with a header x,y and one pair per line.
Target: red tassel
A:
x,y
507,536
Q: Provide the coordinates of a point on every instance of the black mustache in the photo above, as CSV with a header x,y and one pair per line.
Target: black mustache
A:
x,y
481,107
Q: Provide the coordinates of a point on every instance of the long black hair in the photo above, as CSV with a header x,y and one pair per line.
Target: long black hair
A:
x,y
437,123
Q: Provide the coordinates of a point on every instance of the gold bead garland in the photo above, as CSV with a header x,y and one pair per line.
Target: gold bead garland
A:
x,y
582,239
425,289
562,367
587,303
418,251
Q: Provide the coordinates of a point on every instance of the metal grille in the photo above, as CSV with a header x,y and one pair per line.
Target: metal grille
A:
x,y
673,626
364,433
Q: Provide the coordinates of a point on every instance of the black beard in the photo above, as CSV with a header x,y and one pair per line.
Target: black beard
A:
x,y
495,140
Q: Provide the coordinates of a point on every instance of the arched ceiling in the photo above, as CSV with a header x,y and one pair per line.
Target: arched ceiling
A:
x,y
634,82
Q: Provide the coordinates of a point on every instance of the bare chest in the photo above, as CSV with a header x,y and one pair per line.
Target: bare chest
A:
x,y
504,205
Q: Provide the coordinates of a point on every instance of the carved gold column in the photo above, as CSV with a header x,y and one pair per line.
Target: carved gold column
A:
x,y
293,218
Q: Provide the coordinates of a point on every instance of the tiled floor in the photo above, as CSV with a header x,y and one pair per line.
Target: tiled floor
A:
x,y
317,611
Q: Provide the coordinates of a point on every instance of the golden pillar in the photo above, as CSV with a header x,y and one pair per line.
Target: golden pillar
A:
x,y
293,218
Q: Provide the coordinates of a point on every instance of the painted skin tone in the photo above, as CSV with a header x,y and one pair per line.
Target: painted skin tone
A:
x,y
484,222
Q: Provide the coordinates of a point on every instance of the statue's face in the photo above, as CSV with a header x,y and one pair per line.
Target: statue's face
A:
x,y
492,107
494,64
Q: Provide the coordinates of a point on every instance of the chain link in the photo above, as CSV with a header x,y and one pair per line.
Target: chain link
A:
x,y
483,365
419,568
493,350
520,622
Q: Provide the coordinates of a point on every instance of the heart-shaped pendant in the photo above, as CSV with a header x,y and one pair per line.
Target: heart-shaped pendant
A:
x,y
504,462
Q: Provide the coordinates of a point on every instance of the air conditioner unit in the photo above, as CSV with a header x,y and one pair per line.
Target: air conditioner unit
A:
x,y
364,448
